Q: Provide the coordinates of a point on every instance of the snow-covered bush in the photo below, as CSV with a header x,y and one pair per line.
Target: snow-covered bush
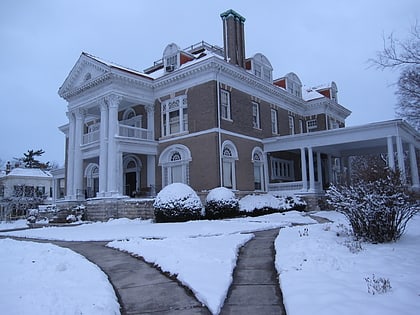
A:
x,y
378,285
294,203
221,203
255,205
378,210
177,202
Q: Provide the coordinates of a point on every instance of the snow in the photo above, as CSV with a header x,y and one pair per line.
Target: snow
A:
x,y
251,202
204,264
322,271
46,279
18,224
30,172
174,194
220,193
327,262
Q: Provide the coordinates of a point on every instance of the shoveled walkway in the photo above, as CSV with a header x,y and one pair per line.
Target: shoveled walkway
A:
x,y
143,289
255,286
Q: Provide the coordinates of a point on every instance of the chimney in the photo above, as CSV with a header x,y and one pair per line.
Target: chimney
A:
x,y
233,37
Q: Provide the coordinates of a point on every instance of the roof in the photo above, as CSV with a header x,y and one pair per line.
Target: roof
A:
x,y
309,94
29,172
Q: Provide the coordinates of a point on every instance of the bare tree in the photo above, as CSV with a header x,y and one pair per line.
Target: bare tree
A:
x,y
404,56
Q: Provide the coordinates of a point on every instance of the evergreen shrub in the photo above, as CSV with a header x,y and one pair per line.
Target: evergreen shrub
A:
x,y
221,203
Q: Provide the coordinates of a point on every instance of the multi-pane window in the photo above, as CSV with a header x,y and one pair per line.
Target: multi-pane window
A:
x,y
225,104
229,156
257,160
172,62
291,125
256,115
311,125
282,169
175,116
274,124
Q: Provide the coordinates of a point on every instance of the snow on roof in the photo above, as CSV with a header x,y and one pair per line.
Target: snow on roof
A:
x,y
309,94
29,172
117,66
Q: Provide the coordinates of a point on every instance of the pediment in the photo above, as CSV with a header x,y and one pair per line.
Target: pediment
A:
x,y
84,73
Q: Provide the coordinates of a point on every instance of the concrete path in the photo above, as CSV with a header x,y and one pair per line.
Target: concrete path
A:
x,y
141,288
255,286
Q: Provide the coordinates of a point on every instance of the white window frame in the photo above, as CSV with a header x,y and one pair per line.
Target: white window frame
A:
x,y
175,158
311,125
256,115
291,125
282,169
225,110
179,124
229,156
274,122
258,165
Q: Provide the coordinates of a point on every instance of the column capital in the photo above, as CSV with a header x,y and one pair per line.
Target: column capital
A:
x,y
150,108
113,100
79,113
103,105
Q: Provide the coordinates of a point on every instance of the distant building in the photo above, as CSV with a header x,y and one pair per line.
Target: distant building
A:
x,y
209,116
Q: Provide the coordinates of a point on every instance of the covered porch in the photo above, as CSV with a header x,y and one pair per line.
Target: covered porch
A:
x,y
308,163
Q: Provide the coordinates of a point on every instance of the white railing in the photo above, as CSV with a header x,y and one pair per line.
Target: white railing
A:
x,y
292,186
134,132
91,137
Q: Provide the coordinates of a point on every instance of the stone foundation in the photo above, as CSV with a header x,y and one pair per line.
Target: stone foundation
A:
x,y
105,209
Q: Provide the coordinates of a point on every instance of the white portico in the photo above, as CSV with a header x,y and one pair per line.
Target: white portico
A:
x,y
110,134
323,157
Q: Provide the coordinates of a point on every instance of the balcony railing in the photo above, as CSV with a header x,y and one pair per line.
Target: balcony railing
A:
x,y
124,131
134,132
292,186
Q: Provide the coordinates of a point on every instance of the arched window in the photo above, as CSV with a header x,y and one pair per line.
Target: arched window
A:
x,y
258,162
174,161
229,156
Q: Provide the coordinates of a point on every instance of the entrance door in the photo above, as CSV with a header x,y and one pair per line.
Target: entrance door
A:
x,y
130,184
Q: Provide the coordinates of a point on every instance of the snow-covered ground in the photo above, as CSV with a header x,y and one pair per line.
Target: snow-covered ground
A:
x,y
323,271
318,272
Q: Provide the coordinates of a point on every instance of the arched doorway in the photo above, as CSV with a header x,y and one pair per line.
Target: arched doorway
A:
x,y
132,171
92,180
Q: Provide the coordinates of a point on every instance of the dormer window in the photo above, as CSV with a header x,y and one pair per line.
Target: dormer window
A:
x,y
261,67
293,84
171,57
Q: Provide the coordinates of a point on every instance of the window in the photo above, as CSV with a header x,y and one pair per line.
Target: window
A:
x,y
291,125
311,125
274,124
171,62
282,169
175,164
229,156
256,115
225,104
174,116
257,70
257,160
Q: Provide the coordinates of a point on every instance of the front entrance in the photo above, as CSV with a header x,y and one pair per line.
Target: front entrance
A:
x,y
132,169
130,184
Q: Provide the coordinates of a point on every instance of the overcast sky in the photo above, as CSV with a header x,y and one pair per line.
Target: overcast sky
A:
x,y
321,41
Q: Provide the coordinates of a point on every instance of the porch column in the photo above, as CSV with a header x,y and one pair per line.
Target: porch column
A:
x,y
151,173
70,194
413,166
329,162
103,149
113,102
266,176
391,160
311,170
319,168
150,109
303,162
400,157
78,160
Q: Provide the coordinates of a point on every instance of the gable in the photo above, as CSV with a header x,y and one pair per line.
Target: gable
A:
x,y
84,73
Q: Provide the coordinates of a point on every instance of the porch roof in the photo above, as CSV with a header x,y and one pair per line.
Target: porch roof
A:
x,y
352,140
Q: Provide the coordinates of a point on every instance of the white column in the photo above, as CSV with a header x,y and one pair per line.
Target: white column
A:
x,y
413,166
311,170
78,160
103,149
400,157
113,102
391,160
119,173
150,109
330,176
319,168
70,158
266,176
151,172
303,162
